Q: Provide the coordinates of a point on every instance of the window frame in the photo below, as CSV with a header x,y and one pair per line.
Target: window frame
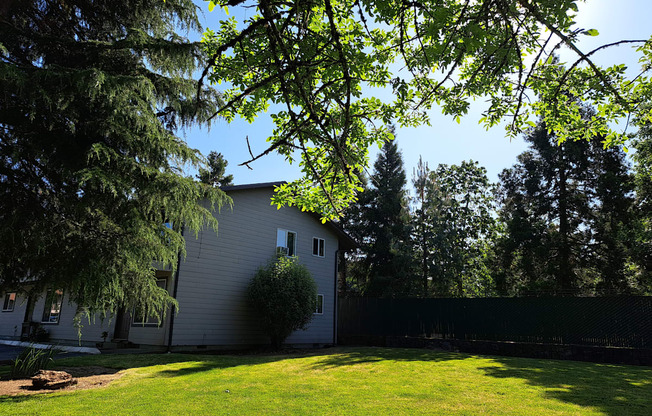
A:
x,y
50,300
317,306
285,239
321,244
8,300
146,323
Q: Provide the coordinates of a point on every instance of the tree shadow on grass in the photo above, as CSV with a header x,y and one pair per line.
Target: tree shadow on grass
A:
x,y
365,355
218,363
613,389
188,364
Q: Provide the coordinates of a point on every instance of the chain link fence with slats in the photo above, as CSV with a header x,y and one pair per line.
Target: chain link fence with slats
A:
x,y
624,321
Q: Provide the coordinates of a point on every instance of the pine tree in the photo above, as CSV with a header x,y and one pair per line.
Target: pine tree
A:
x,y
567,208
613,220
642,233
422,234
388,257
355,222
90,165
215,173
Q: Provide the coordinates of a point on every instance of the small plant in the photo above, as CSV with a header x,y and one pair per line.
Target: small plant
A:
x,y
38,334
105,335
30,361
41,335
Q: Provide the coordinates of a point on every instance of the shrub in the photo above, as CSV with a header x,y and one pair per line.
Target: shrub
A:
x,y
283,295
30,361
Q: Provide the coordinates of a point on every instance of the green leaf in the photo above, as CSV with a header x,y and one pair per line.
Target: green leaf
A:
x,y
211,6
591,32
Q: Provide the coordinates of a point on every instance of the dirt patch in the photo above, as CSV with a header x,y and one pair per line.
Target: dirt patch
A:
x,y
87,378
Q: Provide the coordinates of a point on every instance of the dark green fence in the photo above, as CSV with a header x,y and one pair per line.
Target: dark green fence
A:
x,y
604,321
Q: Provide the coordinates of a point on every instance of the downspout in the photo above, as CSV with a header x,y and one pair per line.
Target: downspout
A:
x,y
174,295
337,254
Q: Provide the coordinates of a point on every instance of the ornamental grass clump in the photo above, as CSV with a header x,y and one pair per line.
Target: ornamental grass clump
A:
x,y
30,361
283,295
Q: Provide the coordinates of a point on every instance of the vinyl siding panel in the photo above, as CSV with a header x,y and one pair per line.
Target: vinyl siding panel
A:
x,y
11,321
150,335
215,274
65,330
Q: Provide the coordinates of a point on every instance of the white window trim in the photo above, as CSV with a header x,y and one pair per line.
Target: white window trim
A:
x,y
285,240
50,322
317,306
313,247
4,301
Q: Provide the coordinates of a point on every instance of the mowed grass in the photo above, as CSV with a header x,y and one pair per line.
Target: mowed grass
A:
x,y
349,381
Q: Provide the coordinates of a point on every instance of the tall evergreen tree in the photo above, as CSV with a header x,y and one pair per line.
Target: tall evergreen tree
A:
x,y
421,224
90,165
389,259
215,173
613,220
566,207
355,222
380,222
642,238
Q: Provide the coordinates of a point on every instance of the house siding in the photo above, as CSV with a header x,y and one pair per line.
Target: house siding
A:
x,y
213,280
11,321
153,335
214,276
91,331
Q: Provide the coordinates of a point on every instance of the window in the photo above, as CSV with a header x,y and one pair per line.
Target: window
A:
x,y
139,316
287,239
319,309
318,247
10,301
52,307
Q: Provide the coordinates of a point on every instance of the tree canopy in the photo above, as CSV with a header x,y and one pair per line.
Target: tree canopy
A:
x,y
215,173
569,219
319,61
386,227
93,95
459,219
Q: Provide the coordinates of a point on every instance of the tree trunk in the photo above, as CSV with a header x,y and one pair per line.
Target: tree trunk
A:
x,y
564,273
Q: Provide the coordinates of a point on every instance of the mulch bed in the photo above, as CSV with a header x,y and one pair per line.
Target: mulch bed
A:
x,y
89,377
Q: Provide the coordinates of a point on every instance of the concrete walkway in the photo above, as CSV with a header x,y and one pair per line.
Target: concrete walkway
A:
x,y
10,350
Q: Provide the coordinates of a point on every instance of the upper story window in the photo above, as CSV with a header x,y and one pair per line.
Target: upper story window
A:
x,y
52,307
287,239
10,302
318,245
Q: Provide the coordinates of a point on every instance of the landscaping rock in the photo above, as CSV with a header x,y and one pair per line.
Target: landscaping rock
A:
x,y
48,379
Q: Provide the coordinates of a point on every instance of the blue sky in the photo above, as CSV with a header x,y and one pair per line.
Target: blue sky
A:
x,y
445,141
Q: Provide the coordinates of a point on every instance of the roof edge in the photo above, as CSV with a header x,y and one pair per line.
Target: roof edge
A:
x,y
252,186
346,241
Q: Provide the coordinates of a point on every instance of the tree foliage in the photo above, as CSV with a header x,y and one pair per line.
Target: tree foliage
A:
x,y
381,224
459,218
316,61
422,233
568,212
283,295
215,173
90,165
642,236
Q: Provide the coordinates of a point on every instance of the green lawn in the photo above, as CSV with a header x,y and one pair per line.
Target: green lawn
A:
x,y
345,381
